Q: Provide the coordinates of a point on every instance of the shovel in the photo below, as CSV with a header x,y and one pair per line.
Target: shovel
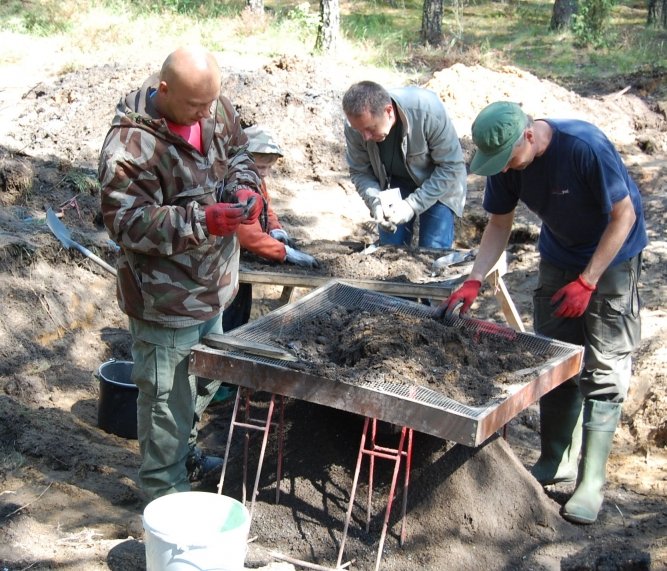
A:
x,y
62,233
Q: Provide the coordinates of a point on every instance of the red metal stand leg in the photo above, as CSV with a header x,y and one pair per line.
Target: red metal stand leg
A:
x,y
279,468
246,445
392,490
263,425
265,438
229,441
406,484
353,492
373,451
371,471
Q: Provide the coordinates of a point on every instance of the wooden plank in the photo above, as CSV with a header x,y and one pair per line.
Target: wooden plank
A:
x,y
507,305
434,290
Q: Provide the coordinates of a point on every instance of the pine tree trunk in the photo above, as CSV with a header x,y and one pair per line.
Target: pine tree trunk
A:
x,y
657,13
329,28
562,13
256,6
431,32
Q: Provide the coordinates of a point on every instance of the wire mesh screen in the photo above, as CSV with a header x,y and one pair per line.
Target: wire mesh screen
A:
x,y
281,323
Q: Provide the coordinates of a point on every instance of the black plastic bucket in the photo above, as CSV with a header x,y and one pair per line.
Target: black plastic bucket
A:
x,y
117,404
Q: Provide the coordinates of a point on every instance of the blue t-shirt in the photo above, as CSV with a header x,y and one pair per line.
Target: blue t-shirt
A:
x,y
572,188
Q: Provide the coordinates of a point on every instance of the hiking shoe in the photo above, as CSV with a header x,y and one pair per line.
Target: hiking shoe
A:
x,y
199,465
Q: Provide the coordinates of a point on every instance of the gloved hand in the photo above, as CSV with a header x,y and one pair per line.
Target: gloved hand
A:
x,y
223,218
465,295
380,218
401,212
573,298
300,258
245,196
280,235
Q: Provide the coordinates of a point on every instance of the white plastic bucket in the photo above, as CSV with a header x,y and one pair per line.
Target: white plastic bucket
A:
x,y
192,531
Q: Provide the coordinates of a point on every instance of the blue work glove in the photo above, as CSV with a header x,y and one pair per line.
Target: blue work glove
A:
x,y
300,258
280,235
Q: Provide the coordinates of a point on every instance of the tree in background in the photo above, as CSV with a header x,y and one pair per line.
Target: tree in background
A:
x,y
590,22
328,30
657,13
561,16
256,6
431,31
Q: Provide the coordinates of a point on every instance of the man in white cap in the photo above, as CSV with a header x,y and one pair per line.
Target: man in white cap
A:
x,y
593,233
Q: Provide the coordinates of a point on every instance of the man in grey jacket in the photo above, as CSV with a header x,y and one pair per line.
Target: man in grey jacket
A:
x,y
404,139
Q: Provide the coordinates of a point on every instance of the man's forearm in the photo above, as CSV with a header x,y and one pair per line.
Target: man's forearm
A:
x,y
623,218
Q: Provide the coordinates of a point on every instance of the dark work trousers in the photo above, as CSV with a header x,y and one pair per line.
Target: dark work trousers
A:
x,y
609,329
238,312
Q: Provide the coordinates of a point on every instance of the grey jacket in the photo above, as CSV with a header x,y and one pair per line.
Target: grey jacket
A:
x,y
431,152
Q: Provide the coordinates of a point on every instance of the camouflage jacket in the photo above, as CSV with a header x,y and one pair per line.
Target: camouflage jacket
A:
x,y
155,186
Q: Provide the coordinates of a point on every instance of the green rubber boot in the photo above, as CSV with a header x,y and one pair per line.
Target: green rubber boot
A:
x,y
600,422
560,435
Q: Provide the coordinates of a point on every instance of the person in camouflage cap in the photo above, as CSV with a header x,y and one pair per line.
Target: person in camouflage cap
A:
x,y
265,238
177,182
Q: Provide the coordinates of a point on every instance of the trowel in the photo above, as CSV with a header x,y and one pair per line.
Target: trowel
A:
x,y
453,258
62,233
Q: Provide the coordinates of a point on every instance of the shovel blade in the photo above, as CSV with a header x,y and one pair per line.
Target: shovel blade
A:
x,y
61,232
58,228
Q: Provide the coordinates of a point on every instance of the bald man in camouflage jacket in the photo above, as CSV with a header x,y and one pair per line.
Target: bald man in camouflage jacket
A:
x,y
177,181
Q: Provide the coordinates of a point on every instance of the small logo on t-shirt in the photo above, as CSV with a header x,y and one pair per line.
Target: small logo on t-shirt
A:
x,y
561,192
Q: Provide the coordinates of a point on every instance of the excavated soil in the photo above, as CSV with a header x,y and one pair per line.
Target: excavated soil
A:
x,y
469,366
69,497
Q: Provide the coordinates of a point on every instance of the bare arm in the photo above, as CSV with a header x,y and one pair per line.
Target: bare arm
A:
x,y
493,243
622,219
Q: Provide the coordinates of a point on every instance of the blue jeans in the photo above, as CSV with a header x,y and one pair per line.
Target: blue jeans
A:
x,y
436,229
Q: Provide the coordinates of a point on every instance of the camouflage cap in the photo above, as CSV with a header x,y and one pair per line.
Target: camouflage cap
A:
x,y
262,141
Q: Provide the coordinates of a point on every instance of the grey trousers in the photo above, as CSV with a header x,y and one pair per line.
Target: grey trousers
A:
x,y
609,330
170,402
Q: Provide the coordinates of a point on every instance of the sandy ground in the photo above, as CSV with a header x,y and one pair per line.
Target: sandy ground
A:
x,y
69,498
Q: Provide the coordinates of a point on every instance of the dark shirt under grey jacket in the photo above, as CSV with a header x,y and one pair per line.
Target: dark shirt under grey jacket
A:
x,y
430,152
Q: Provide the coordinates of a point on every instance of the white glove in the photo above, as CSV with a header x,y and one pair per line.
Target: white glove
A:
x,y
300,258
381,220
401,212
280,235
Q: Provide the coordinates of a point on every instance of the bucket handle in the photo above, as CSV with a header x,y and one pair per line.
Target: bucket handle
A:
x,y
97,373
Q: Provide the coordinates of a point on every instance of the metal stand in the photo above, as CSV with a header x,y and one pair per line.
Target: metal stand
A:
x,y
375,451
262,425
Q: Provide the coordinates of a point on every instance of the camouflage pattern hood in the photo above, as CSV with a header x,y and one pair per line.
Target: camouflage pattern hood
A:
x,y
155,187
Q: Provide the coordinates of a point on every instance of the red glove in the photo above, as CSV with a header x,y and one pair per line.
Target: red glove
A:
x,y
223,218
466,294
245,197
573,299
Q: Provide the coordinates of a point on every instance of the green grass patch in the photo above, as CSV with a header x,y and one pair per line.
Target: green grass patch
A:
x,y
379,32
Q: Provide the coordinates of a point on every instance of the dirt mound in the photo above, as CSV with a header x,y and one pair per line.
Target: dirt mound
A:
x,y
624,118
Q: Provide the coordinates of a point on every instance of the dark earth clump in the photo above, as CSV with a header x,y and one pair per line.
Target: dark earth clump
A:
x,y
466,365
